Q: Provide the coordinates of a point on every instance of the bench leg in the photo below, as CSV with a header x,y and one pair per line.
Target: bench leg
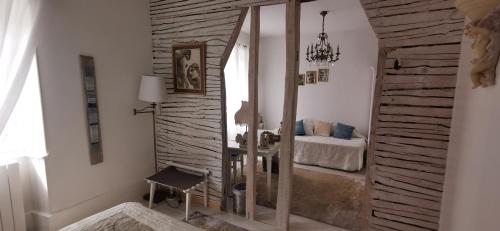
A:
x,y
188,204
151,194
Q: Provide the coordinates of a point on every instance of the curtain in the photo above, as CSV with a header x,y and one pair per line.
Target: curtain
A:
x,y
21,122
236,76
17,47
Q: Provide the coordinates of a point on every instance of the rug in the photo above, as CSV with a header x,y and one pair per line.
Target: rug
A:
x,y
334,199
119,221
210,223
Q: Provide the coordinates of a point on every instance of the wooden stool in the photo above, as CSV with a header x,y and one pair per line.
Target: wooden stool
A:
x,y
173,178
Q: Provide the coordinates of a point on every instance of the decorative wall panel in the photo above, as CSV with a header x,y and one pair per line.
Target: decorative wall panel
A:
x,y
413,111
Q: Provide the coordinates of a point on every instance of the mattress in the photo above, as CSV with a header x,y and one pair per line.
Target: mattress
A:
x,y
330,152
130,216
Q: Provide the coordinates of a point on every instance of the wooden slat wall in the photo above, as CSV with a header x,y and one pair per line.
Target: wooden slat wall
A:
x,y
411,124
190,127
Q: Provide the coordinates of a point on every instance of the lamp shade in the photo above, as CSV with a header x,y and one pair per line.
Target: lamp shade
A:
x,y
152,89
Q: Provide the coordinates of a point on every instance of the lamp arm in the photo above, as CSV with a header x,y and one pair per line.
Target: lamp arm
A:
x,y
147,109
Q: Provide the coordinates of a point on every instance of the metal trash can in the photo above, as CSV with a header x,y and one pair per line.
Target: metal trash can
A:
x,y
239,201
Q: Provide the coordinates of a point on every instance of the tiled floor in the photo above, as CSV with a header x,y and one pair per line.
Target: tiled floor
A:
x,y
265,217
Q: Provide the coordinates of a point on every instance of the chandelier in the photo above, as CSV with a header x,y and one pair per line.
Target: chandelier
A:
x,y
322,52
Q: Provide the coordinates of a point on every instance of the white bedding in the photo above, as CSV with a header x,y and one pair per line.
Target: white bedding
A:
x,y
130,216
330,152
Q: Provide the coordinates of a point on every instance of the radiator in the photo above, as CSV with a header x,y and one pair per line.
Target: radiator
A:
x,y
12,216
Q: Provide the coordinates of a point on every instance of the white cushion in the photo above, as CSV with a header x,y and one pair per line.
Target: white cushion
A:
x,y
309,127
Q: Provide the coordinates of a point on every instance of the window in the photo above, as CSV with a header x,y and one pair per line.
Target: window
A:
x,y
23,134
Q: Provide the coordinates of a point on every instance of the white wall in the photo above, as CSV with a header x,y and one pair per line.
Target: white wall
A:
x,y
345,98
117,34
472,193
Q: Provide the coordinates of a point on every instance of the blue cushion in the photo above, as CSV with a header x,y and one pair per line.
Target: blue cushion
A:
x,y
343,131
299,128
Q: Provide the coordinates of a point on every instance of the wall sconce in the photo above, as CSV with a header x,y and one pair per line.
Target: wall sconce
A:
x,y
151,90
397,64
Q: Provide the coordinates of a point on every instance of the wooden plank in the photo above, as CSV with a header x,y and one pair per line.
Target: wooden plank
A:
x,y
406,220
430,127
413,133
412,157
253,72
283,203
417,111
402,207
417,101
446,122
388,188
417,185
390,162
402,199
409,149
395,225
445,93
410,214
373,127
432,177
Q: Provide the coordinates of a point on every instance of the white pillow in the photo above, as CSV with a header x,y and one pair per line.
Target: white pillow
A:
x,y
309,127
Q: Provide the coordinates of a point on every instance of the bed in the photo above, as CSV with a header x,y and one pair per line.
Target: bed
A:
x,y
130,216
330,152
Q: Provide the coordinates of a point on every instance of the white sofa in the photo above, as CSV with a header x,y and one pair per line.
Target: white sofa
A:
x,y
329,152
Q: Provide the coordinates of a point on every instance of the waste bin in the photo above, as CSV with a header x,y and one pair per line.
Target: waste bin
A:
x,y
239,195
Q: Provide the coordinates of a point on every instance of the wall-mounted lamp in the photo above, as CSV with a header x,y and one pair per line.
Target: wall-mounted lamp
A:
x,y
397,64
151,90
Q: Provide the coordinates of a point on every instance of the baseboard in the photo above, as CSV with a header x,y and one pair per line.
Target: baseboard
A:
x,y
37,221
62,218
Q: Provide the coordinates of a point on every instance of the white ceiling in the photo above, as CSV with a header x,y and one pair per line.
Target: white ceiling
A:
x,y
342,15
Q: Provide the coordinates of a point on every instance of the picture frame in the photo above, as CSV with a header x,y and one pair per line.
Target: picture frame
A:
x,y
311,77
323,75
189,68
302,80
91,109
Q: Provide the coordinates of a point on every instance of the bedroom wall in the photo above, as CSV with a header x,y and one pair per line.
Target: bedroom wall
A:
x,y
117,33
345,98
471,191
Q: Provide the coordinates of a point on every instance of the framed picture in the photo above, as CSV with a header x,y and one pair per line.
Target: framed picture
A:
x,y
323,75
92,109
189,68
302,80
311,77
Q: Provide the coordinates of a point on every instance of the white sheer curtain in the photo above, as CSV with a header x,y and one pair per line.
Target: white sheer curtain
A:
x,y
21,132
236,76
17,47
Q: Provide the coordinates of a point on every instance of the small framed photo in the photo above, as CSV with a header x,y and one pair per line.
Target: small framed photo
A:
x,y
189,68
302,80
311,77
323,75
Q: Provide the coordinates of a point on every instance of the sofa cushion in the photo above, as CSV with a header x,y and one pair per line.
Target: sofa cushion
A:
x,y
322,128
309,127
299,128
343,131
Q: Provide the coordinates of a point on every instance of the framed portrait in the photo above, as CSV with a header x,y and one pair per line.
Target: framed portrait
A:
x,y
189,68
323,75
311,77
302,80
